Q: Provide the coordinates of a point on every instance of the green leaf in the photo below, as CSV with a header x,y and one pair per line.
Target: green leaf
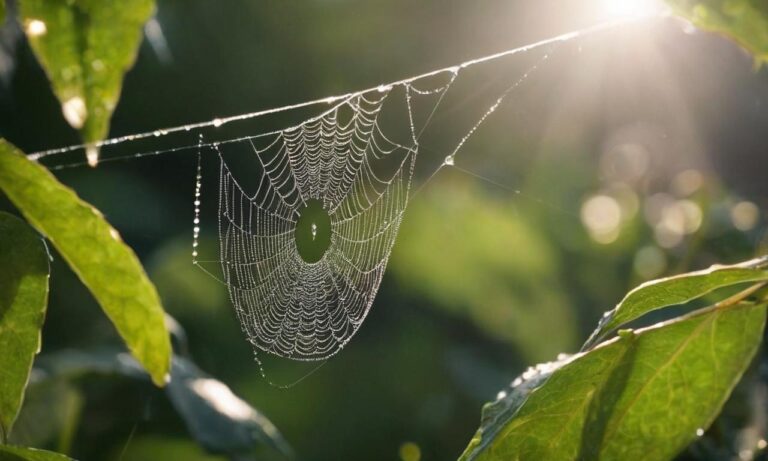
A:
x,y
643,395
216,417
13,453
676,290
85,47
96,253
24,274
745,21
219,421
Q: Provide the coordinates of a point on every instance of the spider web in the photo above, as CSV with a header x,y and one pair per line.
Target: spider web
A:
x,y
309,310
357,166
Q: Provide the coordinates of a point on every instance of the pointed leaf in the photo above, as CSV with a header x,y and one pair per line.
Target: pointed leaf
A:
x,y
13,453
745,21
85,47
23,299
96,253
676,290
643,395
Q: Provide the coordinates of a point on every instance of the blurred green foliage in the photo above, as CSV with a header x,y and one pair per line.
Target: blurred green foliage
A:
x,y
481,260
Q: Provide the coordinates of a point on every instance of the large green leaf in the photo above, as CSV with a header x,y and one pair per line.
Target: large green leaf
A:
x,y
86,46
679,289
23,298
13,453
643,395
745,21
94,250
219,420
216,417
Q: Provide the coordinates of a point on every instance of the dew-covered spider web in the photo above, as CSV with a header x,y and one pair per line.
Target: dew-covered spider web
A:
x,y
304,253
308,214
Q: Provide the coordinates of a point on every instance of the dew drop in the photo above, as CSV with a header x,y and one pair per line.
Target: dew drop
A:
x,y
314,231
92,155
217,122
36,28
75,111
449,160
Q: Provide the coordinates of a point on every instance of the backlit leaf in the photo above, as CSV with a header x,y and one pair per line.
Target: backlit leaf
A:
x,y
85,47
96,253
23,299
679,289
643,395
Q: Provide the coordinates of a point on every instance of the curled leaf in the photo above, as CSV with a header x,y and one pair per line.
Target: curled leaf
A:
x,y
679,289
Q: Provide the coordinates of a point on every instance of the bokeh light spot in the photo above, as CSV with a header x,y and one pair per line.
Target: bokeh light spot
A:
x,y
409,451
688,183
744,216
601,216
36,28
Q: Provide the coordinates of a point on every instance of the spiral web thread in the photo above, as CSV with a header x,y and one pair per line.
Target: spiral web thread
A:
x,y
309,310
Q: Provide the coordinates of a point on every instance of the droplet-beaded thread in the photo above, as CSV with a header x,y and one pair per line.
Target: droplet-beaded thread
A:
x,y
342,159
